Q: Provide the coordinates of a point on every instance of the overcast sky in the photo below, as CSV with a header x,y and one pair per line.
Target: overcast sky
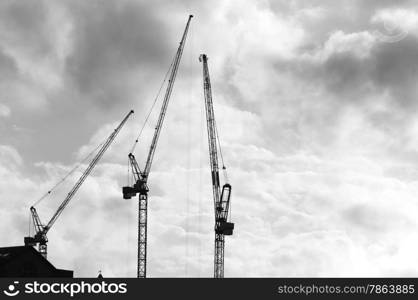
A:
x,y
316,108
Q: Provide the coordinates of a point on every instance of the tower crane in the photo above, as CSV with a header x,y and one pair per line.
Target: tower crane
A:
x,y
141,176
40,236
221,199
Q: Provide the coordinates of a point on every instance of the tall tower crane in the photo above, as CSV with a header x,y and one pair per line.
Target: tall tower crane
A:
x,y
141,176
221,199
40,236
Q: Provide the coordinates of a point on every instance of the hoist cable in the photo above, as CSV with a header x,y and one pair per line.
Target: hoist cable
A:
x,y
153,105
68,174
220,152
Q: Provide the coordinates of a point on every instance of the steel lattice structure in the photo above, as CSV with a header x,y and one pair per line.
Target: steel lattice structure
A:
x,y
40,237
141,177
221,199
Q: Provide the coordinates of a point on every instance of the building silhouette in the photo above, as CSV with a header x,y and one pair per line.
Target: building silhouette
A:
x,y
25,261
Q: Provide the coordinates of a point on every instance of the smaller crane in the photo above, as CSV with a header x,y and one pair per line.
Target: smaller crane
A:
x,y
221,199
40,237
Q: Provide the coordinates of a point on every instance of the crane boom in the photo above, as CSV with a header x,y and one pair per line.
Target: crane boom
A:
x,y
87,172
221,200
141,177
211,128
167,95
42,230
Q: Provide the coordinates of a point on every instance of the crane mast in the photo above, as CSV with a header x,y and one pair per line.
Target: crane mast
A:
x,y
40,237
221,199
141,177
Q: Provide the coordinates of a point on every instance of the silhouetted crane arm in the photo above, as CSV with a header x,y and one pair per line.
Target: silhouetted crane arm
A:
x,y
85,174
141,177
165,101
221,199
211,128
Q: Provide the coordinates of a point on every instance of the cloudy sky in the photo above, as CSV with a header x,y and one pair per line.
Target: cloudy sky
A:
x,y
316,110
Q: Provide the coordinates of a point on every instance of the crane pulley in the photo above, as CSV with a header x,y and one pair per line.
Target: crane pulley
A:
x,y
141,177
40,236
221,199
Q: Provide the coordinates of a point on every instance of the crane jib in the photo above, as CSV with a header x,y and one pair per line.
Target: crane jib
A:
x,y
166,100
140,186
222,201
40,237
